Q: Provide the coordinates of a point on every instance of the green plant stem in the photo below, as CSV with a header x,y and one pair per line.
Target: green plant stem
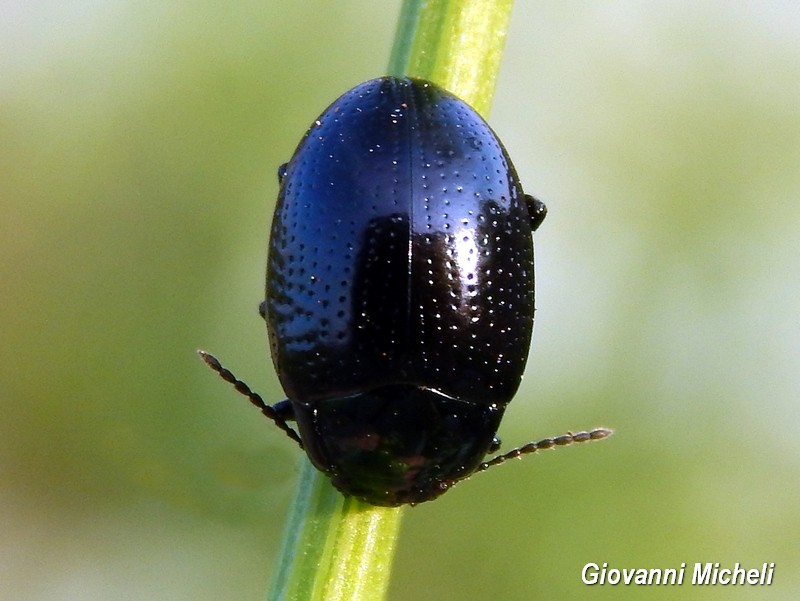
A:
x,y
457,44
337,548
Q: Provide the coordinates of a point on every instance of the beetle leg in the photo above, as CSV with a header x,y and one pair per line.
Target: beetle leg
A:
x,y
546,443
278,414
282,172
262,310
536,210
284,409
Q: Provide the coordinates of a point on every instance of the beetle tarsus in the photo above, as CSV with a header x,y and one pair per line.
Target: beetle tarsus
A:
x,y
537,211
278,414
547,443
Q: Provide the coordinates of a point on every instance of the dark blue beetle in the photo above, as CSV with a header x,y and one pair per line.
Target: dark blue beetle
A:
x,y
400,292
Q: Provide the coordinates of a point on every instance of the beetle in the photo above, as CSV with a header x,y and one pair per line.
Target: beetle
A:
x,y
400,293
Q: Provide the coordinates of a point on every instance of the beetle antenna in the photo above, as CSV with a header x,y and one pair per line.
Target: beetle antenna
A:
x,y
547,443
254,397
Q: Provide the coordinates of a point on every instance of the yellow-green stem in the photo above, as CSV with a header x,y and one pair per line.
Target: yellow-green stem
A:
x,y
337,548
457,44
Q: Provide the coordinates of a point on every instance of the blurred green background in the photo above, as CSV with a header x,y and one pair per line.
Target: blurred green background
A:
x,y
139,143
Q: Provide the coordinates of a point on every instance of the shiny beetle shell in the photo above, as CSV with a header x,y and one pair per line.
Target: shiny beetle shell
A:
x,y
400,289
